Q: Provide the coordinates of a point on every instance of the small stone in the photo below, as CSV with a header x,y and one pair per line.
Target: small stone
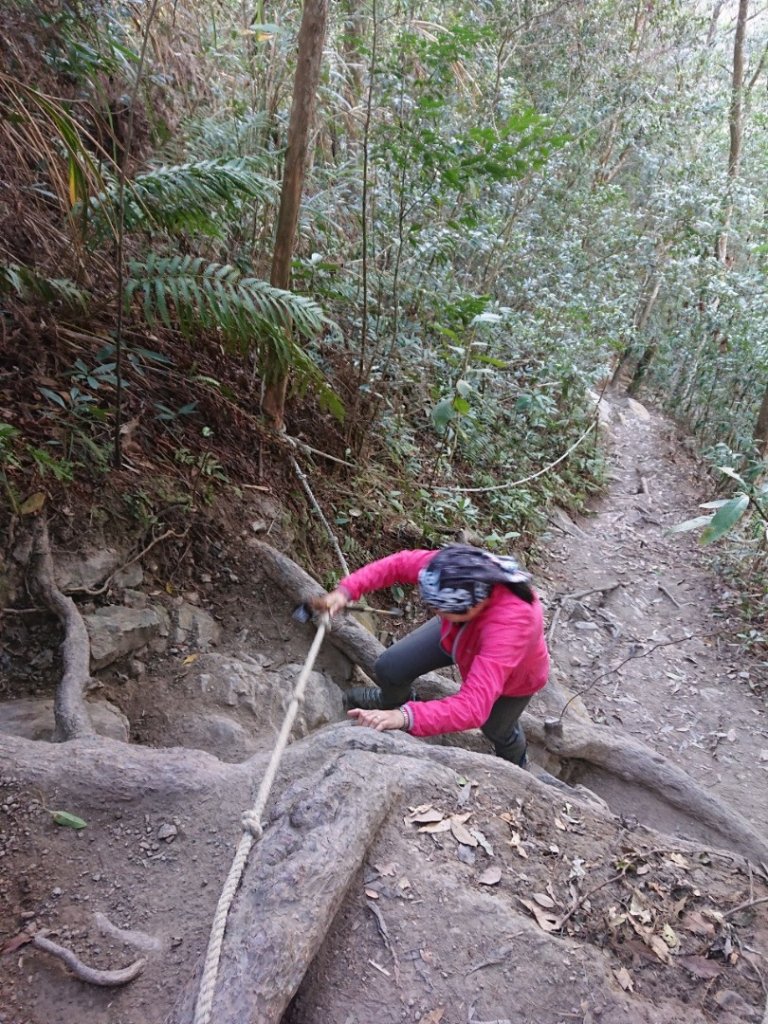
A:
x,y
56,892
168,832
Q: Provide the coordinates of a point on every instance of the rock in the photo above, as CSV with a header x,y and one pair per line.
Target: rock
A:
x,y
84,570
234,705
168,832
32,718
194,627
131,576
115,631
638,410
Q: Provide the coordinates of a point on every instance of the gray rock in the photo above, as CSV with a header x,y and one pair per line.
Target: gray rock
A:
x,y
131,576
115,631
84,570
32,719
638,410
193,626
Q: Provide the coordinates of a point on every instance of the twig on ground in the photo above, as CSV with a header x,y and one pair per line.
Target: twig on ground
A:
x,y
321,515
561,598
105,585
107,979
631,657
745,906
384,933
666,593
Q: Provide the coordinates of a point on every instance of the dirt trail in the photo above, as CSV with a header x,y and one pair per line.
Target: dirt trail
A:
x,y
696,701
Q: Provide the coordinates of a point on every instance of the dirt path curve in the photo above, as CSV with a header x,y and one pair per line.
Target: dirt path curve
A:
x,y
696,701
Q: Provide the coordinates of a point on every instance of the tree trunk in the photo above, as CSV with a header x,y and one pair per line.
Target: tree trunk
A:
x,y
735,125
310,53
761,427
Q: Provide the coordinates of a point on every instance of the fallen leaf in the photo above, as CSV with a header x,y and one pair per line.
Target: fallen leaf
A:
x,y
70,820
624,978
669,936
385,869
403,884
190,659
32,505
679,859
15,943
462,835
422,816
461,818
491,876
700,967
546,921
660,948
437,826
479,836
543,900
693,922
559,824
731,735
371,894
433,1016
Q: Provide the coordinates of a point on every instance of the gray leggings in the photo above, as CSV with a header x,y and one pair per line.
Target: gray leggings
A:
x,y
420,652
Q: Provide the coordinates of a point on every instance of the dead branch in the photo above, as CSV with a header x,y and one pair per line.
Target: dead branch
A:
x,y
70,713
107,979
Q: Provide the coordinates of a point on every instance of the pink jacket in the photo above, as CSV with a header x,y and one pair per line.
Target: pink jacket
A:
x,y
501,653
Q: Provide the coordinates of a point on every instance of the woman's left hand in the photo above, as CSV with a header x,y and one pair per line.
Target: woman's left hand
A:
x,y
381,721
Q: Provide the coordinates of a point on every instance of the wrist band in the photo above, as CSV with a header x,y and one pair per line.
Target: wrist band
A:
x,y
407,722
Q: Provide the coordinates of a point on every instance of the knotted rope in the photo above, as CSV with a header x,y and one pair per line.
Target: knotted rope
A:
x,y
252,833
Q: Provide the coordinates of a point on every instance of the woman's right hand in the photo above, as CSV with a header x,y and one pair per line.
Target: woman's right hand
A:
x,y
331,603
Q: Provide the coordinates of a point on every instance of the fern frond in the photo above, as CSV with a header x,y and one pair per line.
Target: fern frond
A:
x,y
28,284
187,197
195,295
227,134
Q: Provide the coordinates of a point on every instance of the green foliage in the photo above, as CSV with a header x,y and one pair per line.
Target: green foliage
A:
x,y
193,197
250,314
27,284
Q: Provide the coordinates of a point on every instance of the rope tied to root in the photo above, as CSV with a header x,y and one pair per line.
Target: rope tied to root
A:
x,y
253,830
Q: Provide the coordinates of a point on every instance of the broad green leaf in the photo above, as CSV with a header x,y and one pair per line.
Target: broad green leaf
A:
x,y
691,524
725,518
70,820
732,474
715,504
443,412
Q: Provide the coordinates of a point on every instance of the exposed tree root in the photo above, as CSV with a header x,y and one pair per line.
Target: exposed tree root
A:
x,y
70,712
634,762
107,979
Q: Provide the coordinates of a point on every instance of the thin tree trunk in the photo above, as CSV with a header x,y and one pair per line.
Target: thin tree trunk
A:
x,y
761,427
735,125
310,53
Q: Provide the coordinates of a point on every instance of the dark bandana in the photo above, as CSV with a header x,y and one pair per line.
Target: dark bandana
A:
x,y
460,576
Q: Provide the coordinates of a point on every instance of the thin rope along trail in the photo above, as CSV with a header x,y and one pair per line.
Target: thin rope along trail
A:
x,y
252,833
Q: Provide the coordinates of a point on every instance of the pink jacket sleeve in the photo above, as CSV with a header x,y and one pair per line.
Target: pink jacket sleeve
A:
x,y
402,567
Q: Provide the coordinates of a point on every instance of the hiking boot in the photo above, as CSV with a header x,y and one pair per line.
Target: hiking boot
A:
x,y
370,698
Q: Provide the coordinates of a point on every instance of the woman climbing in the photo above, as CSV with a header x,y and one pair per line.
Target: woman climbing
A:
x,y
488,621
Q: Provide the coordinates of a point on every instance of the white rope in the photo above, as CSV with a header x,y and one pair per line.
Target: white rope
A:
x,y
525,479
252,832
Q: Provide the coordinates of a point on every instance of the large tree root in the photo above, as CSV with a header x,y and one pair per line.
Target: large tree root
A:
x,y
636,763
292,889
577,738
69,709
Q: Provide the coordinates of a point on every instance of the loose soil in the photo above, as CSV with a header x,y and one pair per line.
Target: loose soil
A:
x,y
620,924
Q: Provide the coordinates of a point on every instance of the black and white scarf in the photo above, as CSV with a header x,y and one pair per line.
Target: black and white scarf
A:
x,y
460,576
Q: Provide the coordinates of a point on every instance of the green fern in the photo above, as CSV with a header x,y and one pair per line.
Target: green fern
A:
x,y
250,314
28,284
186,197
227,134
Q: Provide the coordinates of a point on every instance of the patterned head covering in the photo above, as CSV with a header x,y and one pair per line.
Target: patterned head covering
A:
x,y
460,576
